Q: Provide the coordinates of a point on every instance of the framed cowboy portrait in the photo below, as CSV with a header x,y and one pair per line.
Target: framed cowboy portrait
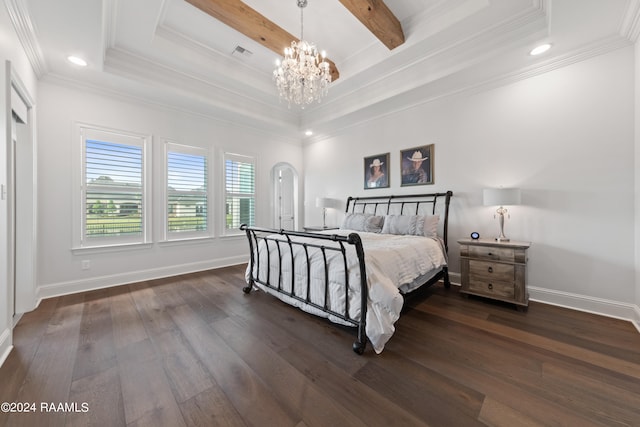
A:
x,y
416,165
376,171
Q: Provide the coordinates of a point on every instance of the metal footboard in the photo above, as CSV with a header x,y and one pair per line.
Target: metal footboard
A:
x,y
291,245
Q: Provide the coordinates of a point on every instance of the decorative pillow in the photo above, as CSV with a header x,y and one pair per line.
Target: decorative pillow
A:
x,y
363,222
414,225
399,224
430,226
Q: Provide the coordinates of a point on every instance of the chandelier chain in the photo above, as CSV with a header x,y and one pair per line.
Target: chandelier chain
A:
x,y
302,4
303,76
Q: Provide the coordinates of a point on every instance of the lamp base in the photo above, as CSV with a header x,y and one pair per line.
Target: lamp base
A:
x,y
501,237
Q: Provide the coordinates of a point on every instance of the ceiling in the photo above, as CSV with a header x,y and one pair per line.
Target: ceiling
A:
x,y
171,53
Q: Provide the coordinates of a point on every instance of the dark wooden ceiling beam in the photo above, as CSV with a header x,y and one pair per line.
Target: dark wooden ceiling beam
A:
x,y
378,18
252,24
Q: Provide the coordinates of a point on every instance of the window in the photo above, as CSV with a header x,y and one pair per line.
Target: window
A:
x,y
187,185
114,206
239,191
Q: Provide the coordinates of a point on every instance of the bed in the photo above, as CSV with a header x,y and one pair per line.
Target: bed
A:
x,y
386,247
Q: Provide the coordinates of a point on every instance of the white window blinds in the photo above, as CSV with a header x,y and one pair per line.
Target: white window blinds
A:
x,y
239,191
114,199
187,200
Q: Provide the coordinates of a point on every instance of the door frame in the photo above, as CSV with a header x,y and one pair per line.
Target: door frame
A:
x,y
274,202
22,263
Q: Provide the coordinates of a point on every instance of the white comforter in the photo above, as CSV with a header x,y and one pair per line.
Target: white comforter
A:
x,y
392,262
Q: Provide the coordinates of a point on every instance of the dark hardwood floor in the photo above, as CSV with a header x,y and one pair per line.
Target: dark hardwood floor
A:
x,y
195,350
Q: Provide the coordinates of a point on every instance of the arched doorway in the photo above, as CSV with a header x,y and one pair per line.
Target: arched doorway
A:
x,y
284,183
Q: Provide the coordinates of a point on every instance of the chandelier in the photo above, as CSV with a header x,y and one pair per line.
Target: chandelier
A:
x,y
303,76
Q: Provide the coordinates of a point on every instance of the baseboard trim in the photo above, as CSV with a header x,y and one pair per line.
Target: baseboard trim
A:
x,y
600,306
6,345
100,282
454,278
636,317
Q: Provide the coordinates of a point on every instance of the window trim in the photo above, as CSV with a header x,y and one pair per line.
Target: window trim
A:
x,y
82,132
169,236
226,154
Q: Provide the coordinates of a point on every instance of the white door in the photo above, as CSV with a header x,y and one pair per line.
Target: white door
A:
x,y
285,184
12,215
22,207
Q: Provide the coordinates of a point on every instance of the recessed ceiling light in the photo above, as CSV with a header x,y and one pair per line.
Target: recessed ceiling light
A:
x,y
540,49
308,133
76,60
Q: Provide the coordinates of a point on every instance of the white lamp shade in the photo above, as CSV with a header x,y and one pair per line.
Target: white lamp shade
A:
x,y
501,196
327,202
322,202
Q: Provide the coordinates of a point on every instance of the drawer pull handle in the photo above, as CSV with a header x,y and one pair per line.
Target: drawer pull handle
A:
x,y
490,286
490,269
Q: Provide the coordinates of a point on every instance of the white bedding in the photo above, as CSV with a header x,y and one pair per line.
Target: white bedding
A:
x,y
393,263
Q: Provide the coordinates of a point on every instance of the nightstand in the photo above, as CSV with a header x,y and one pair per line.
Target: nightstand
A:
x,y
319,228
496,270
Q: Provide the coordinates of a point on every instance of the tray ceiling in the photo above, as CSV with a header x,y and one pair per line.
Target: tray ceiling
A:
x,y
172,53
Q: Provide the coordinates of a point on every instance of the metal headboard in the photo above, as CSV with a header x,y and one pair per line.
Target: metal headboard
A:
x,y
405,203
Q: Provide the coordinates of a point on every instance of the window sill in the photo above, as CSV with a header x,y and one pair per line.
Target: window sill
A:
x,y
119,247
186,241
239,235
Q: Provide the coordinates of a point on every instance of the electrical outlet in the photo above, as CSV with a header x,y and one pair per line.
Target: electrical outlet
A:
x,y
86,264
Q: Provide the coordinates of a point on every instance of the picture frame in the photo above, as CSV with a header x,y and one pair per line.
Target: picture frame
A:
x,y
416,165
376,171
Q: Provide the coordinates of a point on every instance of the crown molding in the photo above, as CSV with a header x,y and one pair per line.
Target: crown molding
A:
x,y
450,58
245,100
438,90
630,25
441,10
224,117
109,25
597,48
19,15
221,59
440,15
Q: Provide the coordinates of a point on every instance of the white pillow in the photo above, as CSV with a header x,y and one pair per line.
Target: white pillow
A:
x,y
363,222
414,225
430,226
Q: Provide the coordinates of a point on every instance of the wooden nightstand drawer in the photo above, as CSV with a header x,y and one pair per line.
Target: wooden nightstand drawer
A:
x,y
492,288
491,271
494,270
492,253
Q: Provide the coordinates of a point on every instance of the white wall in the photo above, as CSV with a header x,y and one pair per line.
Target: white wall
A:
x,y
10,50
637,180
565,138
59,268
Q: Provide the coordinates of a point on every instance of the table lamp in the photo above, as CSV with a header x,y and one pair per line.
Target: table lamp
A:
x,y
501,197
324,203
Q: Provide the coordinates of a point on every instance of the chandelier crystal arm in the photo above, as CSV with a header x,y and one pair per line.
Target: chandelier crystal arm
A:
x,y
303,76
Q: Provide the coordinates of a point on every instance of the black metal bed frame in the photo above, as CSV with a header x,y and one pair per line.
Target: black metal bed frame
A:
x,y
328,243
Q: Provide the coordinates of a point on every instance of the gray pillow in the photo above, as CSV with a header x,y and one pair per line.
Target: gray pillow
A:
x,y
363,222
414,225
